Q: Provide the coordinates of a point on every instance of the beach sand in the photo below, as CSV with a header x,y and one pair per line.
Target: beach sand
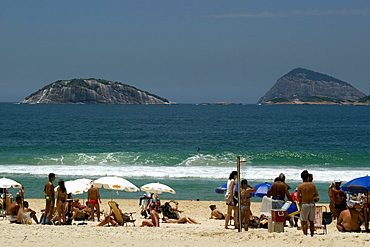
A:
x,y
208,233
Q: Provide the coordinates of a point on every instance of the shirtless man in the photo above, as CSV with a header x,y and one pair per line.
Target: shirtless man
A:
x,y
154,222
93,197
307,192
216,214
350,219
278,191
50,198
14,211
245,203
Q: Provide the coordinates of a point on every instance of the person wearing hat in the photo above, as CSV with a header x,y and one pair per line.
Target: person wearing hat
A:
x,y
340,198
350,220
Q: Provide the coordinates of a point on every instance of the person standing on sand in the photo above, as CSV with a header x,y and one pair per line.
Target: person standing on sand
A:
x,y
61,202
232,206
278,191
340,198
93,197
245,203
307,192
49,198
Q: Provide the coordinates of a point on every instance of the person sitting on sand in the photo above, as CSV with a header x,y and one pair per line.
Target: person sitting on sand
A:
x,y
182,220
350,220
154,222
110,218
216,214
81,211
245,195
32,212
14,211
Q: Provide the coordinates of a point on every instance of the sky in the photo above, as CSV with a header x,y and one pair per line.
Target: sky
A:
x,y
190,51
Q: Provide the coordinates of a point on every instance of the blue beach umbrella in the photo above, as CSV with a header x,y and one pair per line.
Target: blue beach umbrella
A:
x,y
223,188
357,185
261,189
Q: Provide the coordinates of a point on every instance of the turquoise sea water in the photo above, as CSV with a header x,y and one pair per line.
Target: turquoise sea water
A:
x,y
158,143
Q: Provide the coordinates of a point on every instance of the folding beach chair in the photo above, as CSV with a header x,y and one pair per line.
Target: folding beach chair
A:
x,y
322,218
122,219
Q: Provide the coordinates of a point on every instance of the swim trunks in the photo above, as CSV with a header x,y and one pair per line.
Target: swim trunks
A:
x,y
308,211
12,218
94,202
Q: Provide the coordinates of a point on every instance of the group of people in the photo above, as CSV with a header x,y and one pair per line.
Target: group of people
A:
x,y
65,205
348,213
58,205
306,193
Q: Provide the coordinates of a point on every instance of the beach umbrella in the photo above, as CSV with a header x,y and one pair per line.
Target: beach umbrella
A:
x,y
157,188
85,181
360,185
357,185
221,189
75,187
115,183
261,189
6,183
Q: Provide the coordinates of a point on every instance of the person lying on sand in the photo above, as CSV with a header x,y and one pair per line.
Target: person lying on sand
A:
x,y
154,222
182,220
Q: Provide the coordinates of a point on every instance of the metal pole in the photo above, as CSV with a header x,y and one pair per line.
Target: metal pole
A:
x,y
239,187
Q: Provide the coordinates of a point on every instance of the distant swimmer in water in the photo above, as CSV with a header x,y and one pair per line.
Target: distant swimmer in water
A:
x,y
198,150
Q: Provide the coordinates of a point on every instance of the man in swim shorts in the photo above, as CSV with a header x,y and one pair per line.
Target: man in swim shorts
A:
x,y
14,211
49,199
93,197
307,192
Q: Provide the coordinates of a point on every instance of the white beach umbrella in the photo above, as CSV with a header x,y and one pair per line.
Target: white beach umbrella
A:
x,y
157,188
75,187
6,183
115,183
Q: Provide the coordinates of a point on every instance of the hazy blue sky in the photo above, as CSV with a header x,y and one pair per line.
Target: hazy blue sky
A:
x,y
185,51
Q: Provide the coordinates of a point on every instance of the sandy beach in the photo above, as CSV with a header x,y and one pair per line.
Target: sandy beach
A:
x,y
208,233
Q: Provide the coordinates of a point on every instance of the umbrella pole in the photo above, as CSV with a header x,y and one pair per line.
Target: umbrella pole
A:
x,y
239,188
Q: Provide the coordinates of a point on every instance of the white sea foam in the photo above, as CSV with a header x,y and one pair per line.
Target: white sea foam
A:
x,y
186,171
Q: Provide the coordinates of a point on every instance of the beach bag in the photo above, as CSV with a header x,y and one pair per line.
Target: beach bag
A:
x,y
228,197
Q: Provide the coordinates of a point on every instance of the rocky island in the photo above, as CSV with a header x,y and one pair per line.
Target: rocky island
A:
x,y
303,86
92,91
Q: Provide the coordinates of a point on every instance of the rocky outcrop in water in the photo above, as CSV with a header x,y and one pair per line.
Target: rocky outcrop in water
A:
x,y
91,91
302,85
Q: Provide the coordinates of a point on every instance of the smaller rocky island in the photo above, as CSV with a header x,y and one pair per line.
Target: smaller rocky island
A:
x,y
92,91
302,86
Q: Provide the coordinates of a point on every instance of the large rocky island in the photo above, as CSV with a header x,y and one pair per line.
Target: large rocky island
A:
x,y
91,91
303,86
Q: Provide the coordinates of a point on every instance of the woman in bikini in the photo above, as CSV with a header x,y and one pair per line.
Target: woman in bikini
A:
x,y
61,201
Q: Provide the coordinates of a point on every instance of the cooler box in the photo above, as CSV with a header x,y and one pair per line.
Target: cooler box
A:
x,y
278,215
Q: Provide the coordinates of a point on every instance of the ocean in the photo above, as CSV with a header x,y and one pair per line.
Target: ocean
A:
x,y
191,148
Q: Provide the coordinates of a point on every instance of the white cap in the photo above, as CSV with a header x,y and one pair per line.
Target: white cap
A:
x,y
337,180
